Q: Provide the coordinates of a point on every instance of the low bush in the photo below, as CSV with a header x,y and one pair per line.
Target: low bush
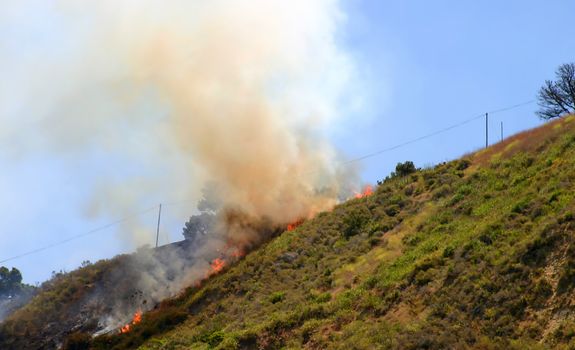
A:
x,y
277,297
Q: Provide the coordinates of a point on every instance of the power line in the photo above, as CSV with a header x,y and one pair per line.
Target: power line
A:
x,y
101,228
179,203
98,229
183,202
505,109
158,227
435,133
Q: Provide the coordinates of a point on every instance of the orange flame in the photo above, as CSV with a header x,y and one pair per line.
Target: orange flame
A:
x,y
294,225
230,249
216,266
238,253
137,317
367,191
135,320
125,329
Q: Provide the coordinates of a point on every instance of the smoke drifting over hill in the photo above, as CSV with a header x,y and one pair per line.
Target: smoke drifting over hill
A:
x,y
236,92
165,96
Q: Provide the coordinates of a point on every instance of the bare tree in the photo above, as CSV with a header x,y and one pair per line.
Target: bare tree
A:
x,y
557,98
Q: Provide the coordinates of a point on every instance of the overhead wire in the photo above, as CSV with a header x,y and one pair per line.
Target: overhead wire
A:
x,y
435,133
69,239
95,230
182,202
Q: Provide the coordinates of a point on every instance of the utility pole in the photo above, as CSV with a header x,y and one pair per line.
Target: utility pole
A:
x,y
486,130
158,227
501,131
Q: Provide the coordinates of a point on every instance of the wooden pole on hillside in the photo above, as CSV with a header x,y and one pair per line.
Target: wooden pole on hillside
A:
x,y
501,131
486,130
158,227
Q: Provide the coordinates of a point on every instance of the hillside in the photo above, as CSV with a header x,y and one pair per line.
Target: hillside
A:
x,y
474,253
13,293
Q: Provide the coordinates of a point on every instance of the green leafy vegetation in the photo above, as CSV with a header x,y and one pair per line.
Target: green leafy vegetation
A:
x,y
401,170
11,282
473,253
13,293
55,306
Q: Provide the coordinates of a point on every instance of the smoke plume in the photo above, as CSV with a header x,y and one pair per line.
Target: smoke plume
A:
x,y
238,92
167,95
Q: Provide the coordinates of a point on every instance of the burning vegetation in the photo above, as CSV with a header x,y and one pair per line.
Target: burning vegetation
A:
x,y
262,180
216,266
292,226
135,320
214,239
367,191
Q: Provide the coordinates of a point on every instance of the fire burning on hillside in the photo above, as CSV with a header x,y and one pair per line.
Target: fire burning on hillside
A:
x,y
367,191
135,320
216,266
292,226
235,93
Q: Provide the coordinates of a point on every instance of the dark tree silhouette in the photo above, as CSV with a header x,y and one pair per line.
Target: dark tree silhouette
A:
x,y
557,98
13,293
198,226
404,169
10,281
401,170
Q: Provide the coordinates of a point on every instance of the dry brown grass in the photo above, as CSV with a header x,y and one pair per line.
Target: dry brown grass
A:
x,y
527,141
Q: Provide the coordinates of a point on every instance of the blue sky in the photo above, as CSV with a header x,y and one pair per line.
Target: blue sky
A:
x,y
424,66
442,62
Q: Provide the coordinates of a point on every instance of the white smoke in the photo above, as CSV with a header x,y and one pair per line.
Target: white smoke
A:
x,y
166,95
239,92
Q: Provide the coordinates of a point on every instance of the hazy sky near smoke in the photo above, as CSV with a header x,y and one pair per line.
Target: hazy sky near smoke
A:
x,y
417,67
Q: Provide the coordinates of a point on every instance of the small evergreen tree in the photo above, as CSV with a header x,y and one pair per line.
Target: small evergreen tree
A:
x,y
10,281
198,226
404,169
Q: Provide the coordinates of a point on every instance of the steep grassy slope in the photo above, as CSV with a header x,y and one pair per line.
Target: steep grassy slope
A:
x,y
477,253
84,300
474,253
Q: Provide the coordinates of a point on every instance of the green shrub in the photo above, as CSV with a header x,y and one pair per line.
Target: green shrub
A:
x,y
520,207
323,297
536,252
442,191
458,197
540,293
565,332
213,339
354,221
404,169
463,164
423,277
392,210
277,297
448,252
567,217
